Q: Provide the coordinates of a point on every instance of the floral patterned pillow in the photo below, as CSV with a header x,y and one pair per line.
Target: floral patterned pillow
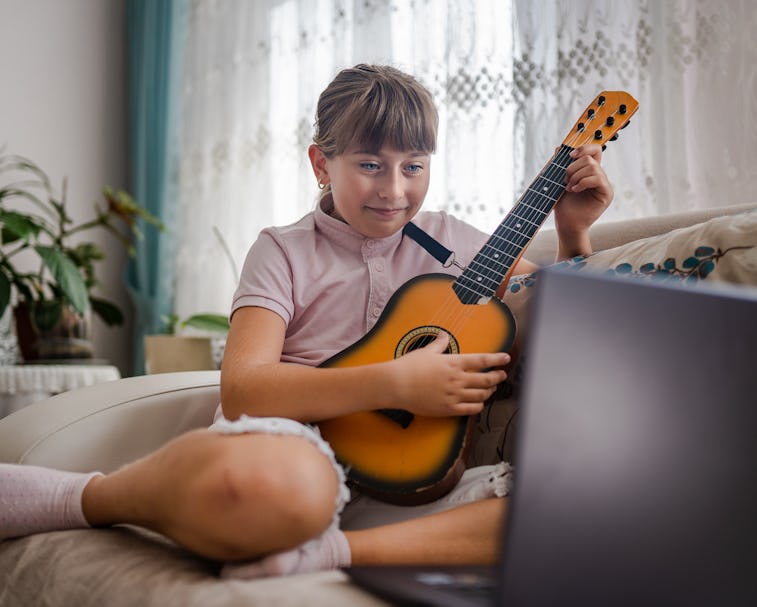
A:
x,y
721,249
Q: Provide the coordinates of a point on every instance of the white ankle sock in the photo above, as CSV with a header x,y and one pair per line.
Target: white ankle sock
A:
x,y
34,500
329,551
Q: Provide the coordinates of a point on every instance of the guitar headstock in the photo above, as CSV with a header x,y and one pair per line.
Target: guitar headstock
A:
x,y
602,119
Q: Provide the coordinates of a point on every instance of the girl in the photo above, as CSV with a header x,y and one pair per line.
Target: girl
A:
x,y
261,489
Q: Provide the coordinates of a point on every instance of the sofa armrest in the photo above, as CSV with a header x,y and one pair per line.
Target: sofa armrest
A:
x,y
612,234
104,426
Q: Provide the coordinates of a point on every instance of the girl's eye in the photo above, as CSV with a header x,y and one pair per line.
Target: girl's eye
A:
x,y
414,168
369,166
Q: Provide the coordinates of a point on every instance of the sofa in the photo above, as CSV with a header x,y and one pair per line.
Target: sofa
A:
x,y
103,426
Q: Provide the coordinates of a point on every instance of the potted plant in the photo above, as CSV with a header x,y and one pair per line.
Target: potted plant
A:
x,y
55,299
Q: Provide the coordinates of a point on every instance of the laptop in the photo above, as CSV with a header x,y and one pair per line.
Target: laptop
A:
x,y
636,461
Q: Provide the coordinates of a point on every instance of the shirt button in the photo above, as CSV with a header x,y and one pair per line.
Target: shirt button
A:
x,y
379,266
377,312
369,244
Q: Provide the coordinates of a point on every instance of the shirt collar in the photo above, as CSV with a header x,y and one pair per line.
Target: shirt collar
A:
x,y
343,234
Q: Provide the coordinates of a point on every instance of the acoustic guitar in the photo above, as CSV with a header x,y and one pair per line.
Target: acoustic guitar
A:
x,y
403,458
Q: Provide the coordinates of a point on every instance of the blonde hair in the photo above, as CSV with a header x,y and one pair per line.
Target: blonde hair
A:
x,y
370,105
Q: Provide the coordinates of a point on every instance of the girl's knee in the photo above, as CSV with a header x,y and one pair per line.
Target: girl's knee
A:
x,y
280,489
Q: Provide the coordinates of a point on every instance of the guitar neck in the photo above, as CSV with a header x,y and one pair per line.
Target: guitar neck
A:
x,y
483,276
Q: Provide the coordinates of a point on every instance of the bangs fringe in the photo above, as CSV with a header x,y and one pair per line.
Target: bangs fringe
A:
x,y
385,115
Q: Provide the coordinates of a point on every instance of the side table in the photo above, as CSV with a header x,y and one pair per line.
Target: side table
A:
x,y
21,385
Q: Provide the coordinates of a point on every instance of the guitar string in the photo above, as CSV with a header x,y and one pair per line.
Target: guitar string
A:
x,y
457,315
528,209
451,315
523,211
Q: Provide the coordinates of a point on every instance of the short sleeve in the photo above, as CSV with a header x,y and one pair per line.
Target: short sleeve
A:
x,y
266,278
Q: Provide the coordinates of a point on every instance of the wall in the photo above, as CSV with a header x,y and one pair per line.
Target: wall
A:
x,y
63,105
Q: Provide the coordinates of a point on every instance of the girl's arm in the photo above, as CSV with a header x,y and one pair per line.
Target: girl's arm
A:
x,y
425,381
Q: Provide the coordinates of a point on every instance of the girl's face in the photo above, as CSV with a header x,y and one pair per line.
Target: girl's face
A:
x,y
375,193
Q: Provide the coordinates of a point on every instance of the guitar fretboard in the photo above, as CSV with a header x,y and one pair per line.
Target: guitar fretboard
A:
x,y
481,279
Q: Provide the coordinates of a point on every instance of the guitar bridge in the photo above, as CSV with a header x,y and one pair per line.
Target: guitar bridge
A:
x,y
399,416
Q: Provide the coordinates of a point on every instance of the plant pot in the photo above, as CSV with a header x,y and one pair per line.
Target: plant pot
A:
x,y
69,338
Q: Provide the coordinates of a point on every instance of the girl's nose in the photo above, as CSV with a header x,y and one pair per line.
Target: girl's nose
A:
x,y
391,188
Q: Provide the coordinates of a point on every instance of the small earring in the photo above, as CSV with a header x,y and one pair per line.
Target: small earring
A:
x,y
321,185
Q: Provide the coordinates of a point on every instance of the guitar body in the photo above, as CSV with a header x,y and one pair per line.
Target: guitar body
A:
x,y
391,454
409,459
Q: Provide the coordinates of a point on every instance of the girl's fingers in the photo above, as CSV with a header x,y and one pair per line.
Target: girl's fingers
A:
x,y
590,149
473,362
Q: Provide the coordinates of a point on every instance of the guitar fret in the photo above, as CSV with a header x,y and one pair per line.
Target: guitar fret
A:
x,y
491,264
526,220
482,281
497,252
538,193
470,294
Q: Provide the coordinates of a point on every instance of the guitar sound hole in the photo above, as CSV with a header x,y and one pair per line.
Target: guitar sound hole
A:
x,y
414,340
423,336
422,342
399,416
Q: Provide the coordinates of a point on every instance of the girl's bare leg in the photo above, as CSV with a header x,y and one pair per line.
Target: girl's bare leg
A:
x,y
468,534
227,497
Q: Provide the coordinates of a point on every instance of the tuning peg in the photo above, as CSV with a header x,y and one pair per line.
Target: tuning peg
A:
x,y
598,134
580,127
626,124
601,100
610,121
590,114
604,147
622,109
614,137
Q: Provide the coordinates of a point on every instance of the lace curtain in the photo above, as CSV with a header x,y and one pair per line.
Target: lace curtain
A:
x,y
509,76
690,63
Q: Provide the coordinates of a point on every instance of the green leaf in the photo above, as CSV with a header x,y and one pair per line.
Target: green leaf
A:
x,y
16,225
208,322
5,292
24,290
66,276
110,313
169,321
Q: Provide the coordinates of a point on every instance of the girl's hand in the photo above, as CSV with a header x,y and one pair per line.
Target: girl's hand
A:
x,y
428,382
587,194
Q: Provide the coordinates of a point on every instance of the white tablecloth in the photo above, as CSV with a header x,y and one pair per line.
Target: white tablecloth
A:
x,y
21,385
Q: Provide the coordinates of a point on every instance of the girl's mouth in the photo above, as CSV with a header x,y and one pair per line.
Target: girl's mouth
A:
x,y
388,213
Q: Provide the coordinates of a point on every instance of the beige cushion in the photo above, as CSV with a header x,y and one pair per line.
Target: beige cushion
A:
x,y
611,234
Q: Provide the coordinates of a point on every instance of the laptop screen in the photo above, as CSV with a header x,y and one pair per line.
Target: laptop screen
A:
x,y
636,466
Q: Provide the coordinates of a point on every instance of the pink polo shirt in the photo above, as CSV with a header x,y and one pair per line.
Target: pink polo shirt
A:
x,y
330,283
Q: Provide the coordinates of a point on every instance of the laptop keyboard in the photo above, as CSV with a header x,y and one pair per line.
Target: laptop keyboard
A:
x,y
465,584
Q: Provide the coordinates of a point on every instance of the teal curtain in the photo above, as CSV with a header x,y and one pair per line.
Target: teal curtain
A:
x,y
155,30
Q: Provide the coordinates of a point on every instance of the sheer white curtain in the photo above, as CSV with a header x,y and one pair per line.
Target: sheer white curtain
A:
x,y
509,76
253,73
